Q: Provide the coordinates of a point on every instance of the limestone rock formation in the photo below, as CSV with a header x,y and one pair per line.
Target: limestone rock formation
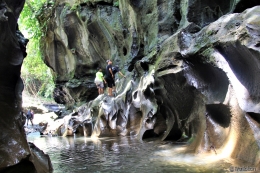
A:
x,y
192,74
192,70
15,153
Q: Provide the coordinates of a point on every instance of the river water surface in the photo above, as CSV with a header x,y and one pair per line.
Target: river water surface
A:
x,y
125,154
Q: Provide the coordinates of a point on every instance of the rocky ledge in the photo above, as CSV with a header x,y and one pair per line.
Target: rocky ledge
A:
x,y
192,74
191,78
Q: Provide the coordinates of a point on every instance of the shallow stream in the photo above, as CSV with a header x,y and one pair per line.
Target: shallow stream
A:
x,y
125,154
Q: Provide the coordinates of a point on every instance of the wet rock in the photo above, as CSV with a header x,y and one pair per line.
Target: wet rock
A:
x,y
40,160
23,167
192,71
3,9
16,154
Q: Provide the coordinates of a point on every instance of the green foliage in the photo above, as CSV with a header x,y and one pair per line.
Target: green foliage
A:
x,y
74,7
116,3
37,76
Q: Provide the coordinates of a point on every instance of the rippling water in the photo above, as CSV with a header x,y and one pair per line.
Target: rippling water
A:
x,y
81,155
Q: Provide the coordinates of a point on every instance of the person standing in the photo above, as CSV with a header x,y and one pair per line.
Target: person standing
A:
x,y
99,81
30,116
109,77
115,69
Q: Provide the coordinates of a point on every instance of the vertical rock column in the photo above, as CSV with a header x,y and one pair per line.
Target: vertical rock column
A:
x,y
15,153
13,144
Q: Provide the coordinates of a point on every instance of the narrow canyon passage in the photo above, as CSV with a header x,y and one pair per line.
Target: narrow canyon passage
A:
x,y
189,99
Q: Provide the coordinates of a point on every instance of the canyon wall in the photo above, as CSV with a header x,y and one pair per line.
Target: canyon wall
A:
x,y
16,155
192,70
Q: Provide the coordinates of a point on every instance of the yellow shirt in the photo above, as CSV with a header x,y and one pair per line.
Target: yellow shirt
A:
x,y
99,76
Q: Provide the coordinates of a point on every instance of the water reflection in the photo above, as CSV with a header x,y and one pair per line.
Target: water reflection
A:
x,y
80,155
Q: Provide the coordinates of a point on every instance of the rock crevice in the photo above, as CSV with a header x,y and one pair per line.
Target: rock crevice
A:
x,y
192,70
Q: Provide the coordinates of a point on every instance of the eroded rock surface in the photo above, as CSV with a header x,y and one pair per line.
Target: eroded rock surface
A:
x,y
192,70
192,74
15,153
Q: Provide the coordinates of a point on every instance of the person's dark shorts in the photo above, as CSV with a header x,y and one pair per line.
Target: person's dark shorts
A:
x,y
110,82
29,117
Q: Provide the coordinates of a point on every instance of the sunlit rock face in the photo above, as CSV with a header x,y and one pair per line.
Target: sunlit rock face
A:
x,y
192,71
15,153
80,36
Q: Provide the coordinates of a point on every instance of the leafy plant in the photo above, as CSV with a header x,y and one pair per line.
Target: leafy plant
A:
x,y
37,76
116,3
74,7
